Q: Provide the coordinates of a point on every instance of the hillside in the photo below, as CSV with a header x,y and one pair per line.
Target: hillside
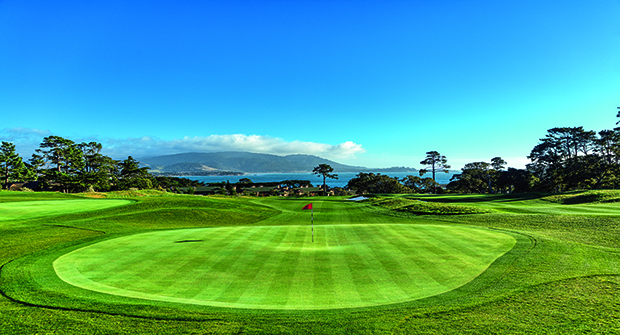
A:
x,y
243,162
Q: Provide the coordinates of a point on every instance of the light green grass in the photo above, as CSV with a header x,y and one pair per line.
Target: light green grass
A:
x,y
281,268
31,209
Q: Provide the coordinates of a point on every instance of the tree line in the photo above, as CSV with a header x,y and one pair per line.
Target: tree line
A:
x,y
565,159
63,165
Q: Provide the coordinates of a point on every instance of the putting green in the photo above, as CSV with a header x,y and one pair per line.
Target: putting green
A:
x,y
279,267
31,209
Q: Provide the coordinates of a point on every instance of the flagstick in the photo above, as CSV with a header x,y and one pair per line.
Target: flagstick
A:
x,y
312,220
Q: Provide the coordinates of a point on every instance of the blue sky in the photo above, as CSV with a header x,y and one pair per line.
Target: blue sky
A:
x,y
371,83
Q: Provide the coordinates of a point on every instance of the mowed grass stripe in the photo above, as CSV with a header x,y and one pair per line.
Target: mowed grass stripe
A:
x,y
302,283
301,268
392,271
256,262
164,259
124,263
139,269
401,266
406,247
452,252
151,270
342,278
191,278
469,243
272,259
366,270
323,284
449,263
279,267
461,253
224,272
381,263
172,268
396,257
190,284
428,258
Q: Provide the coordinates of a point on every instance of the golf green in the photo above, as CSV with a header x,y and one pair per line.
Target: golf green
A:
x,y
30,209
279,267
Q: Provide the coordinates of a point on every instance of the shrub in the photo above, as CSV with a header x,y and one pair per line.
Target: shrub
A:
x,y
416,206
598,196
421,207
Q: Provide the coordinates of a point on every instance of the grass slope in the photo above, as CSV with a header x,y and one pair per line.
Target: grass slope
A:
x,y
31,209
562,276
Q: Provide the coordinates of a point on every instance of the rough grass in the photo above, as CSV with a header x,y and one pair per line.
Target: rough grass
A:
x,y
572,306
562,277
585,197
417,206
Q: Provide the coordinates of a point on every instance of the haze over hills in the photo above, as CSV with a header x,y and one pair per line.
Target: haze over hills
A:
x,y
246,162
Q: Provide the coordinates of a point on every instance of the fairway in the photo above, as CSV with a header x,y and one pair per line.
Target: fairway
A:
x,y
279,267
31,209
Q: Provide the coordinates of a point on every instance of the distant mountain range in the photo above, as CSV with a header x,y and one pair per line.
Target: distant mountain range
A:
x,y
246,162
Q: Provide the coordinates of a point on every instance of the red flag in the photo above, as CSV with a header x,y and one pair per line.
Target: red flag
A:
x,y
308,206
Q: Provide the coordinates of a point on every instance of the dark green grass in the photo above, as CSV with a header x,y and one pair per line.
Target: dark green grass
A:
x,y
560,278
585,305
418,206
585,197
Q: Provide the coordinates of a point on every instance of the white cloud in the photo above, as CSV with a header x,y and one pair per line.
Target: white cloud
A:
x,y
148,146
27,139
19,133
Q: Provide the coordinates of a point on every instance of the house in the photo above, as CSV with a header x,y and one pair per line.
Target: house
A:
x,y
305,190
261,191
203,190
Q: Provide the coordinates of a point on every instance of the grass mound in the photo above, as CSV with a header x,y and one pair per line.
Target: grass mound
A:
x,y
127,194
416,206
599,196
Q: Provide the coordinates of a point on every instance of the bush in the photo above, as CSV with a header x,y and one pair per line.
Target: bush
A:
x,y
422,207
376,183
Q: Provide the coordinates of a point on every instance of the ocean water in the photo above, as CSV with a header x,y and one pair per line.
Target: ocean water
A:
x,y
343,178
